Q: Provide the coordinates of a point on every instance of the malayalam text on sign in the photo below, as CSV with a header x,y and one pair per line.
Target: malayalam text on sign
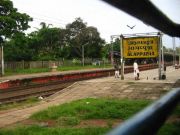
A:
x,y
140,47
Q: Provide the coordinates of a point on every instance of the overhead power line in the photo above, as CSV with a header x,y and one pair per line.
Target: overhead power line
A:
x,y
40,16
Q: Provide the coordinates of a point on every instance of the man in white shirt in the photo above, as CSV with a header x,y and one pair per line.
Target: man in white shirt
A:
x,y
136,70
116,67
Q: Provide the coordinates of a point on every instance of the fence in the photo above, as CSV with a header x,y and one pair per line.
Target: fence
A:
x,y
47,64
62,62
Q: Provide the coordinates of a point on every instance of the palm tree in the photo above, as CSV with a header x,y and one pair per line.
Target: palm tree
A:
x,y
44,25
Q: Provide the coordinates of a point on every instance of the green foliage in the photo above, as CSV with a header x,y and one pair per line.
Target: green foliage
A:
x,y
11,21
48,43
76,61
68,121
116,45
70,114
170,129
54,43
27,102
105,51
93,109
17,49
37,130
12,25
177,111
80,35
26,71
80,67
61,68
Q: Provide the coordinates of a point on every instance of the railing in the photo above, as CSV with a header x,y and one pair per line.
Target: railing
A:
x,y
149,120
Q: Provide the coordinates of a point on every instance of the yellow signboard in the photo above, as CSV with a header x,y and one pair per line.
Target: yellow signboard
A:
x,y
140,47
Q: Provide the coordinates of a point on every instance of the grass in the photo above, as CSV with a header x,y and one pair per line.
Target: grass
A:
x,y
26,71
79,67
167,129
93,109
170,129
68,115
176,112
36,130
61,68
68,121
28,102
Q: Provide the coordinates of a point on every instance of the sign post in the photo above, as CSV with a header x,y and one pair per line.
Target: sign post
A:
x,y
112,50
122,58
2,60
161,57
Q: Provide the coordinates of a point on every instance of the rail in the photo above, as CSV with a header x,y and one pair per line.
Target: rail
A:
x,y
149,120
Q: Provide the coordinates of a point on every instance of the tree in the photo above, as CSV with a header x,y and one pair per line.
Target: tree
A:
x,y
11,21
80,36
48,43
74,32
116,45
94,42
51,43
105,51
18,49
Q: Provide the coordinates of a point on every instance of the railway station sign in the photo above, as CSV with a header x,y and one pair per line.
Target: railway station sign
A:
x,y
140,47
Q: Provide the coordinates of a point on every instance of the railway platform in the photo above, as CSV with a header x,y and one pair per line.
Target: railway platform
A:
x,y
150,88
34,75
7,82
148,75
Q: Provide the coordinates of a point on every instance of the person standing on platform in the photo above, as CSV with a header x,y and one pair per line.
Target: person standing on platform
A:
x,y
136,70
116,67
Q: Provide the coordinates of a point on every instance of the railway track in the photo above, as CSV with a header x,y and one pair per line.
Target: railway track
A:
x,y
23,93
45,86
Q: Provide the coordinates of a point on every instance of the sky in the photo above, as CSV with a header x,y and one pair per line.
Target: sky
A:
x,y
107,19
